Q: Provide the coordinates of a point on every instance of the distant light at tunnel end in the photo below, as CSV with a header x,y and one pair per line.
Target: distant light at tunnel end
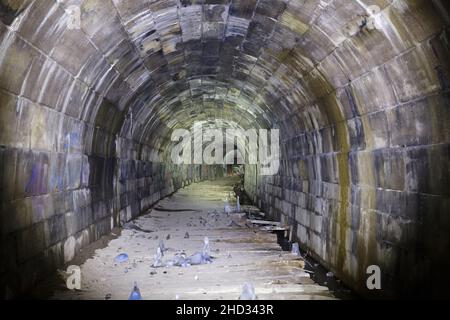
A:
x,y
216,146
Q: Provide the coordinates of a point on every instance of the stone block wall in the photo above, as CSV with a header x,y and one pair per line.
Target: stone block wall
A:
x,y
63,181
141,181
368,183
56,154
361,97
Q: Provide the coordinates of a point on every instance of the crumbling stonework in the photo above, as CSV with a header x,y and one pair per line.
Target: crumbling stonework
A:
x,y
360,96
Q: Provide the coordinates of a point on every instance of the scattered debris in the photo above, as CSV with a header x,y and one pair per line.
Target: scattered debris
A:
x,y
274,229
227,208
263,222
296,249
214,214
203,221
284,273
161,247
277,281
206,249
123,257
158,259
136,293
234,224
248,292
108,296
180,260
176,210
199,258
132,226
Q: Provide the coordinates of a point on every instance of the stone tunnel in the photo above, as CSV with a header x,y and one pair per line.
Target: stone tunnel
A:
x,y
91,91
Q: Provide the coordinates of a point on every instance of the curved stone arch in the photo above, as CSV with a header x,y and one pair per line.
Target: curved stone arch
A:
x,y
360,97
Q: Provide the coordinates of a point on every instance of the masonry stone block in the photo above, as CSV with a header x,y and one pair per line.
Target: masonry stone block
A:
x,y
372,92
8,158
419,123
422,175
390,168
17,58
411,75
43,34
31,173
16,215
376,130
55,230
72,178
30,242
360,98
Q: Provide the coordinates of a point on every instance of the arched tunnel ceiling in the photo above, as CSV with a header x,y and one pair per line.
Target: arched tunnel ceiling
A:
x,y
358,88
257,63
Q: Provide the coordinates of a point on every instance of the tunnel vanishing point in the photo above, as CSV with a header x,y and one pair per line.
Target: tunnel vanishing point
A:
x,y
91,90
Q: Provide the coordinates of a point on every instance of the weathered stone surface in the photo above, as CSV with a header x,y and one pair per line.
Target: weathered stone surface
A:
x,y
30,242
360,96
72,178
17,56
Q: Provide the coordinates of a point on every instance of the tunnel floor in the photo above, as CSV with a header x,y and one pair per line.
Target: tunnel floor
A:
x,y
241,255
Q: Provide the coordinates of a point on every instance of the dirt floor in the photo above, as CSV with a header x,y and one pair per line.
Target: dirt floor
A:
x,y
242,253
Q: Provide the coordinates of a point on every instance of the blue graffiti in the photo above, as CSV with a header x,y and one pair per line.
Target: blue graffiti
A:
x,y
32,180
56,182
71,139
